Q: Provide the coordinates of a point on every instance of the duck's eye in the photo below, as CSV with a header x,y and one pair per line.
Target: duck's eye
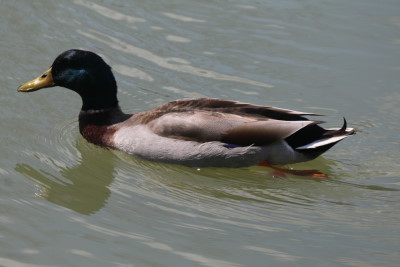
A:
x,y
44,75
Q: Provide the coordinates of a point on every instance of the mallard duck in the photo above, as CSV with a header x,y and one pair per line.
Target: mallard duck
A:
x,y
199,132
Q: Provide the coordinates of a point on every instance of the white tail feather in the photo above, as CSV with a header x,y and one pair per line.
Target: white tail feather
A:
x,y
322,142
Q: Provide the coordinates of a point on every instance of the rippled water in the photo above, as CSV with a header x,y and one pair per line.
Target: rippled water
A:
x,y
65,202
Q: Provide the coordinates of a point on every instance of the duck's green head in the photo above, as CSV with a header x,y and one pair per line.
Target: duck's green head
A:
x,y
83,72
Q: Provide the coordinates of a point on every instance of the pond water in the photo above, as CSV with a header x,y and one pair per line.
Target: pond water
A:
x,y
65,202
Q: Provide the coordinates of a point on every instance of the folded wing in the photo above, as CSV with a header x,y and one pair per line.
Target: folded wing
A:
x,y
236,123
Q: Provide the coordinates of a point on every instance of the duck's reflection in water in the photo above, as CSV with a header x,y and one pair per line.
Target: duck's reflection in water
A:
x,y
83,188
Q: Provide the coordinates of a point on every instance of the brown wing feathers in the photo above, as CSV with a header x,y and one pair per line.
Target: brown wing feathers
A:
x,y
231,122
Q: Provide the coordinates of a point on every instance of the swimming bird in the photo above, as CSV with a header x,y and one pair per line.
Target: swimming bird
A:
x,y
201,132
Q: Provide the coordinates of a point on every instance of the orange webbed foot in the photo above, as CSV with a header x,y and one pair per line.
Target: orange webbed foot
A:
x,y
282,171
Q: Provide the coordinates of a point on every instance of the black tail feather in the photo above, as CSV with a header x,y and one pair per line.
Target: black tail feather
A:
x,y
313,132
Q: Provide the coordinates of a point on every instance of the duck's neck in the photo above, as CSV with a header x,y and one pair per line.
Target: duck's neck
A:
x,y
100,101
96,126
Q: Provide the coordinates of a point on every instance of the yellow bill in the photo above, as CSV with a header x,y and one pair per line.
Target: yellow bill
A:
x,y
43,81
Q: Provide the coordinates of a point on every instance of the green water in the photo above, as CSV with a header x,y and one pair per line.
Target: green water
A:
x,y
65,202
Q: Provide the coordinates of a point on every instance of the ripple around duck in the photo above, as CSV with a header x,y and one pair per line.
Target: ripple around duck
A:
x,y
64,139
57,146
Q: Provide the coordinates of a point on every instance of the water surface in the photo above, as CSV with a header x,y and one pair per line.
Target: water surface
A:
x,y
65,202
